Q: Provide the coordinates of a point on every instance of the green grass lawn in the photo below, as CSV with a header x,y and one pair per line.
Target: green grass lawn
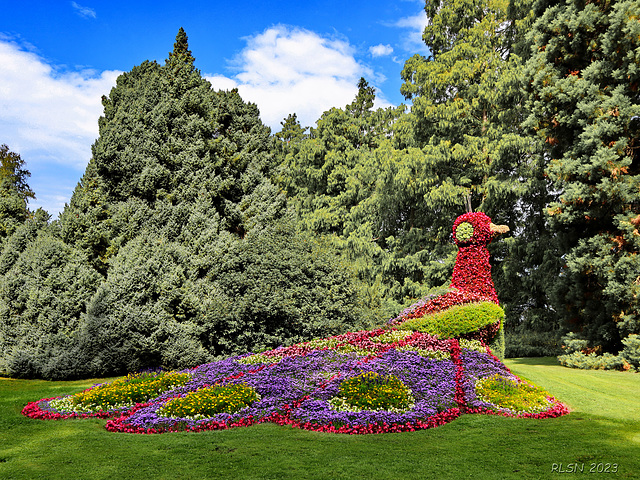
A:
x,y
603,428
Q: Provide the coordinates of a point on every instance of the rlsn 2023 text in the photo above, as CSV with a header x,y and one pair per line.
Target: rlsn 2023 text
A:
x,y
593,467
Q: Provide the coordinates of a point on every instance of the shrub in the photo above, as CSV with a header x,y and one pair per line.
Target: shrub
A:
x,y
207,402
43,294
530,343
372,391
592,361
631,350
498,344
573,343
457,320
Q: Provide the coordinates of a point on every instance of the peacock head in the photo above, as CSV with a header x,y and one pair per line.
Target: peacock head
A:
x,y
475,228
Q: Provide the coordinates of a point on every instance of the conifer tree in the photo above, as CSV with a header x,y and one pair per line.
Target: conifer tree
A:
x,y
177,191
14,192
467,106
584,101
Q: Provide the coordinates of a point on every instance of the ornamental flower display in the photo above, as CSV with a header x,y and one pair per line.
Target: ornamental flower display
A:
x,y
373,381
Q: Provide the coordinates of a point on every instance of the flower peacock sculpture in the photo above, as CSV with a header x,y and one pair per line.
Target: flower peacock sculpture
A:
x,y
425,368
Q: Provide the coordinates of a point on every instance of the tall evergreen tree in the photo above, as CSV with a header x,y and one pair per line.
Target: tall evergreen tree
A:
x,y
344,181
175,248
467,105
14,192
584,101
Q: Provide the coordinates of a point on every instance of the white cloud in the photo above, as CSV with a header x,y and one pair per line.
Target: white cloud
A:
x,y
47,116
415,24
381,50
50,116
84,12
291,70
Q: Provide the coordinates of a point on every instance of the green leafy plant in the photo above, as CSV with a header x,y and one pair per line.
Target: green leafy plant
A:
x,y
511,394
631,350
593,361
372,391
210,401
457,320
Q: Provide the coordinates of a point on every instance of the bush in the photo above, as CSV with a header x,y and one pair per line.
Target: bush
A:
x,y
457,320
592,361
497,344
43,295
571,343
631,350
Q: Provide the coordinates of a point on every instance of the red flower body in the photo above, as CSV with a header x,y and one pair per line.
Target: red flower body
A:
x,y
472,271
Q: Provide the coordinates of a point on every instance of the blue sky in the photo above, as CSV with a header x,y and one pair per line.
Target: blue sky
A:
x,y
59,57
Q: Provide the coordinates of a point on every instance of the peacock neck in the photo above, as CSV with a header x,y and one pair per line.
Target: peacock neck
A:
x,y
472,272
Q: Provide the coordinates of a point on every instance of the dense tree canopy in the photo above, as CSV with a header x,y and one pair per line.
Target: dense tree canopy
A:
x,y
194,233
166,254
584,100
14,192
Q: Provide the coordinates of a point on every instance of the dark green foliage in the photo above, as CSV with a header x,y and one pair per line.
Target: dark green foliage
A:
x,y
349,179
631,350
528,343
14,192
175,248
42,296
166,304
144,314
583,90
498,343
457,320
277,295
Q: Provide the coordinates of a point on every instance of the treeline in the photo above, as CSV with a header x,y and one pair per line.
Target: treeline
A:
x,y
195,233
176,246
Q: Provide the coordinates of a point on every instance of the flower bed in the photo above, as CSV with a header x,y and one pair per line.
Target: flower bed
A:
x,y
384,380
109,399
309,386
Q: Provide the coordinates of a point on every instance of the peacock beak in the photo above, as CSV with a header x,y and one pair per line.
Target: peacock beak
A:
x,y
498,229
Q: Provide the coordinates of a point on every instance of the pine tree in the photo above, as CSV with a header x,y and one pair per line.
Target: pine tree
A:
x,y
584,102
